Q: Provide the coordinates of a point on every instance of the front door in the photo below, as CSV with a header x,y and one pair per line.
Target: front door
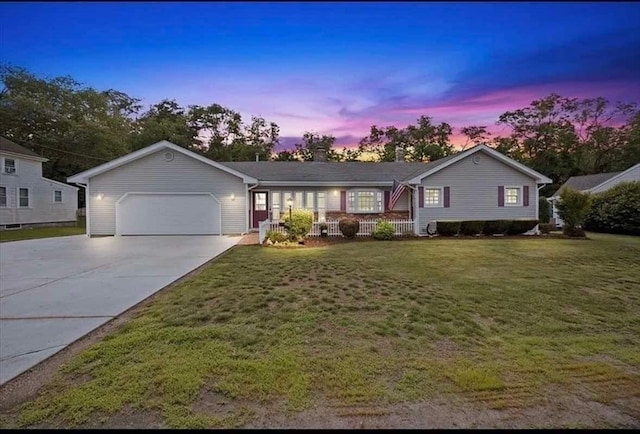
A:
x,y
260,207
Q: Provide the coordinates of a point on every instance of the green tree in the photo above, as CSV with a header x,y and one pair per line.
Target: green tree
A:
x,y
74,126
474,135
311,142
285,156
166,120
424,141
573,208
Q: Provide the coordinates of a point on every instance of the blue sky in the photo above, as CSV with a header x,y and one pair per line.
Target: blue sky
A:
x,y
332,67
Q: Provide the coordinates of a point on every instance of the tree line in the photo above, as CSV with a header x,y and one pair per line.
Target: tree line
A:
x,y
78,127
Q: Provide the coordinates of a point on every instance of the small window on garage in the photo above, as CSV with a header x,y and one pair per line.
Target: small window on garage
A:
x,y
57,196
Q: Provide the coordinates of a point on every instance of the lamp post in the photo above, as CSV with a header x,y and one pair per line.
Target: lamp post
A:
x,y
290,204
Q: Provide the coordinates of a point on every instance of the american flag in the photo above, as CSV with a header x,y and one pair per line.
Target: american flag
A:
x,y
398,189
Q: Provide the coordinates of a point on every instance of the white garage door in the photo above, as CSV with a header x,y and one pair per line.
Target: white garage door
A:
x,y
168,214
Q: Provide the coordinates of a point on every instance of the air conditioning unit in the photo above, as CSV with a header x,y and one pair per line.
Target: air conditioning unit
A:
x,y
9,170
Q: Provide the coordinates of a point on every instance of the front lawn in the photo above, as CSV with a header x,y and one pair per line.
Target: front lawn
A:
x,y
33,233
424,333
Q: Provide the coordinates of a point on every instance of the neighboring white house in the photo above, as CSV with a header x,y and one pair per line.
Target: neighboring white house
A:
x,y
26,198
164,189
593,184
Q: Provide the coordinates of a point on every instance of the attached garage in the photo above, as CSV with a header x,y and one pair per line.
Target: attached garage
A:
x,y
168,214
164,189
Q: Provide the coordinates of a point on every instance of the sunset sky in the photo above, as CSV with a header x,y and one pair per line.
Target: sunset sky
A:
x,y
336,68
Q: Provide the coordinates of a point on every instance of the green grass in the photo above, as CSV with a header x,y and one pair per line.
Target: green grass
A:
x,y
33,233
497,322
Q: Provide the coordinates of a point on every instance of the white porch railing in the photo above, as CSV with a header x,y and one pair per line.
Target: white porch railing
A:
x,y
366,228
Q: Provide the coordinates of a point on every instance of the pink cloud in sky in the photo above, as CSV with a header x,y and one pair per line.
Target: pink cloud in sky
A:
x,y
478,110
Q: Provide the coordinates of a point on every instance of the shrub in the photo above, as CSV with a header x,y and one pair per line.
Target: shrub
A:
x,y
300,225
349,227
276,237
545,228
496,227
544,210
448,228
472,227
573,232
517,227
573,207
384,231
616,210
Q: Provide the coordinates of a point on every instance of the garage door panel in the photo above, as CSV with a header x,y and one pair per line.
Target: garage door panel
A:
x,y
168,214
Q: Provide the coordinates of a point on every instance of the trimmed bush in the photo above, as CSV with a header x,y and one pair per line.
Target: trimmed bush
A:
x,y
544,210
616,210
492,227
300,225
573,232
573,207
545,228
384,231
472,227
276,237
349,227
448,228
517,227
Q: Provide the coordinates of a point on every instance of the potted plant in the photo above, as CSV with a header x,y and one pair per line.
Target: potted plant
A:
x,y
324,230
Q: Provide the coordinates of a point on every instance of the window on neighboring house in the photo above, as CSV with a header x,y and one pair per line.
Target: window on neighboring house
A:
x,y
512,196
9,165
367,201
433,196
23,197
3,196
57,196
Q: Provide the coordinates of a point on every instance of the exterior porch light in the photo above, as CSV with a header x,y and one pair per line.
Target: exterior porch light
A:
x,y
290,204
233,196
100,196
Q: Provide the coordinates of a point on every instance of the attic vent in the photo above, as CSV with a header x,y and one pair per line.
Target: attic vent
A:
x,y
476,159
168,156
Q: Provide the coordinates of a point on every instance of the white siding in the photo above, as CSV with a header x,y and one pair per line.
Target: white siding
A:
x,y
631,175
153,174
41,208
474,192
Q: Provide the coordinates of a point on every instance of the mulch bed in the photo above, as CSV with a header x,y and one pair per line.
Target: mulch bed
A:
x,y
320,242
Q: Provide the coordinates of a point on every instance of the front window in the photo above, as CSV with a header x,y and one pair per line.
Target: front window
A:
x,y
275,206
322,206
364,202
3,196
433,197
9,165
23,197
512,196
57,196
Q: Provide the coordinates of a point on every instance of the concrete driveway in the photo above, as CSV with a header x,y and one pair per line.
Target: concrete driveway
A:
x,y
55,290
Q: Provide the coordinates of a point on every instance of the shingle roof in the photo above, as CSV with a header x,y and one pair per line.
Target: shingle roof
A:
x,y
586,182
297,171
9,146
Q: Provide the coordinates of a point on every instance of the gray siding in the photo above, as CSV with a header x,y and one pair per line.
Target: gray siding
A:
x,y
631,175
42,208
474,192
153,174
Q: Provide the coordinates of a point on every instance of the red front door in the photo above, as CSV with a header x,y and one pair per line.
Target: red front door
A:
x,y
260,207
